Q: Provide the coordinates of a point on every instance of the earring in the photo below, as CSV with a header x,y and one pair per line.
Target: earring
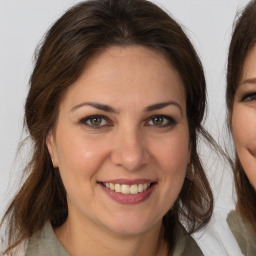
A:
x,y
53,164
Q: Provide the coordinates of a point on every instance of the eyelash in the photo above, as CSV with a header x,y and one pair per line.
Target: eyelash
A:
x,y
167,121
88,119
249,97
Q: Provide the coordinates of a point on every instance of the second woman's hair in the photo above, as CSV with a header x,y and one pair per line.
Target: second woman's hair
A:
x,y
243,39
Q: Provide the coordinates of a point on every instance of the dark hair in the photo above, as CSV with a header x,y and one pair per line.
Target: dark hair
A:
x,y
243,39
81,33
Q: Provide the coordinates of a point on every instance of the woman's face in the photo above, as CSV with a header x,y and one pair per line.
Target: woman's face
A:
x,y
244,117
121,141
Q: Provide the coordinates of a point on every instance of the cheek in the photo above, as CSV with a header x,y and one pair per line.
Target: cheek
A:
x,y
244,128
244,134
172,157
173,154
81,156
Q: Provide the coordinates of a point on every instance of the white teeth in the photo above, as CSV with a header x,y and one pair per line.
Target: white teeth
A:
x,y
140,188
127,189
111,186
117,188
134,189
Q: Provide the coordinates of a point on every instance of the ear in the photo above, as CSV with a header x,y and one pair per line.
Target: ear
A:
x,y
50,143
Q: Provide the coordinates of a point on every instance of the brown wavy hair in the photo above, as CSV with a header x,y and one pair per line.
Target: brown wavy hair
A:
x,y
243,39
82,32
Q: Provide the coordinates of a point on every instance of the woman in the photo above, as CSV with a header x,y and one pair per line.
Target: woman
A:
x,y
114,110
241,96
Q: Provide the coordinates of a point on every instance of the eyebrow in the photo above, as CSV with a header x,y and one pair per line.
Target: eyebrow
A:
x,y
249,81
163,105
110,109
99,106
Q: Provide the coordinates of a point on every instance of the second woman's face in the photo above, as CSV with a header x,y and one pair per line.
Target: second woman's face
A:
x,y
244,117
121,141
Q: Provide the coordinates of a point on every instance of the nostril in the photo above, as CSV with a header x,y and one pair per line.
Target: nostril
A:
x,y
130,160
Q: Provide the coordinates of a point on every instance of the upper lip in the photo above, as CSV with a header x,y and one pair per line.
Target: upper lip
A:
x,y
128,181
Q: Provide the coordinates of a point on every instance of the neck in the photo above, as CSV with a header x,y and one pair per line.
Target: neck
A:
x,y
80,239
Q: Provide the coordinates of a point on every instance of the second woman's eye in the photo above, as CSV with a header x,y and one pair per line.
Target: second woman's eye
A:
x,y
96,121
161,121
249,97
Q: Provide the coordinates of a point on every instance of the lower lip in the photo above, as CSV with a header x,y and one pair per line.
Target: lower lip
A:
x,y
129,198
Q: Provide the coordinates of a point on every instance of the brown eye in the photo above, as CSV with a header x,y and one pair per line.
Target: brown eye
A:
x,y
158,120
95,121
161,121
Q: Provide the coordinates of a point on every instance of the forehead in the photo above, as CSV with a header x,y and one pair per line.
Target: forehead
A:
x,y
248,75
128,71
249,66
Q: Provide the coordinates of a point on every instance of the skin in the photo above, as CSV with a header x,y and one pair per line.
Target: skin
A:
x,y
244,117
127,144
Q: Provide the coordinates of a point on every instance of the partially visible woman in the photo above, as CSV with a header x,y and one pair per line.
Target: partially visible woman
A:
x,y
241,104
114,110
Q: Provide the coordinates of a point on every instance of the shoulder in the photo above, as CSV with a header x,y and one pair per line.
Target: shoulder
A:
x,y
44,243
235,221
185,245
243,232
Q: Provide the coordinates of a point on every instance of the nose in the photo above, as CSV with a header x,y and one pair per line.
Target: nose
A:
x,y
130,151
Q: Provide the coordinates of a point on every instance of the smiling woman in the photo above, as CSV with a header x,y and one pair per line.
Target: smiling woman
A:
x,y
241,103
114,109
243,117
139,136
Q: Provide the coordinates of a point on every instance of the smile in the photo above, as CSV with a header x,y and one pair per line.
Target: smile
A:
x,y
127,189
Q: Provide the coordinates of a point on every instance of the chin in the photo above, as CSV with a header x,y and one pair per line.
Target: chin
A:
x,y
128,225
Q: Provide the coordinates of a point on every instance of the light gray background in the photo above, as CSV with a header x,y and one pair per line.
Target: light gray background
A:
x,y
208,23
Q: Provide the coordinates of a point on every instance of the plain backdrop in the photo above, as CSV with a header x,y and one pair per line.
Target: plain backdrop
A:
x,y
208,23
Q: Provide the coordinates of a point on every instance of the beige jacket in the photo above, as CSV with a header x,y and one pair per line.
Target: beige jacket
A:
x,y
46,243
243,233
